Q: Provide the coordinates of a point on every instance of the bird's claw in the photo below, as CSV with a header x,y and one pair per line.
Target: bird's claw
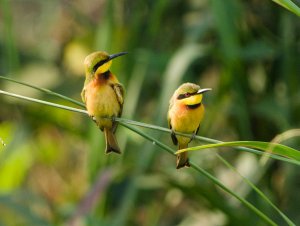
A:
x,y
113,119
192,137
173,133
93,118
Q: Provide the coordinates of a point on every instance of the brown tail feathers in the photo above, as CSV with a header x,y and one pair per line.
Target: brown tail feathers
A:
x,y
182,158
111,142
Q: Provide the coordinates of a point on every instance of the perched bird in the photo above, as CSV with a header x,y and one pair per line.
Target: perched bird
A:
x,y
185,114
103,95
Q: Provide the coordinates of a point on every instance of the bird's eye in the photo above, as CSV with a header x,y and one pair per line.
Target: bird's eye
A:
x,y
187,94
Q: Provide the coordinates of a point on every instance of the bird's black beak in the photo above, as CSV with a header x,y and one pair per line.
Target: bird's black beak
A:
x,y
200,91
116,55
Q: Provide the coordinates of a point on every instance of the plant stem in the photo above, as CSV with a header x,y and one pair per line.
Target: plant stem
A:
x,y
45,91
259,192
159,128
205,173
44,102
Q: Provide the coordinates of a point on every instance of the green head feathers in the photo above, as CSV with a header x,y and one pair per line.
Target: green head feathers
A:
x,y
99,62
190,94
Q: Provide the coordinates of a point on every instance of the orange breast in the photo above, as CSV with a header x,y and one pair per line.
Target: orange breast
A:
x,y
101,101
184,119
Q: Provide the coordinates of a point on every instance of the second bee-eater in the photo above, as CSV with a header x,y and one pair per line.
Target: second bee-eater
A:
x,y
103,95
185,114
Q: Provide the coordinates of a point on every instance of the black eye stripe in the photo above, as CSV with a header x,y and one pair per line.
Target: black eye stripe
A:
x,y
185,95
181,96
97,65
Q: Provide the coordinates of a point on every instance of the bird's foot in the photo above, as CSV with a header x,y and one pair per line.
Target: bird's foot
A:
x,y
173,133
93,118
192,137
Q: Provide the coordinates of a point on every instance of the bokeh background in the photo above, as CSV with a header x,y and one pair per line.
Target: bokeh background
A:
x,y
53,170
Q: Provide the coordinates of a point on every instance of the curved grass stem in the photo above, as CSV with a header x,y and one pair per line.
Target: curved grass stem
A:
x,y
145,125
127,122
259,192
44,91
204,173
43,102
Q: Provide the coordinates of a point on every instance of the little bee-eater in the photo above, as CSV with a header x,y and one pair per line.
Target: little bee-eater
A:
x,y
103,95
185,114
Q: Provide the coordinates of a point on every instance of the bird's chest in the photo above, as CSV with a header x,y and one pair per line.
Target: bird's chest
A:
x,y
101,100
185,119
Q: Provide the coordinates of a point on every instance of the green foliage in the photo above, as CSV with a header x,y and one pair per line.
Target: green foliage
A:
x,y
268,147
289,5
272,148
53,163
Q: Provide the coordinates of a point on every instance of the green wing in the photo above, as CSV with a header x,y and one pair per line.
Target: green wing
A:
x,y
119,90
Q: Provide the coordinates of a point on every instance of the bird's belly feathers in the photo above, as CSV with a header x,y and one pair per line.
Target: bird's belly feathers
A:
x,y
101,101
185,120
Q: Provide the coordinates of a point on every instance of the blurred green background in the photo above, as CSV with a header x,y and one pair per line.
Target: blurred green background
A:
x,y
53,170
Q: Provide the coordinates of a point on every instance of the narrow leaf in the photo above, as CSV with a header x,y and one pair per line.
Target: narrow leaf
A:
x,y
43,102
289,5
275,148
258,191
45,91
215,180
149,126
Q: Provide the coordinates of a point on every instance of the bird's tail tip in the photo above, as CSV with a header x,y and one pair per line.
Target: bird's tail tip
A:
x,y
111,142
182,161
110,149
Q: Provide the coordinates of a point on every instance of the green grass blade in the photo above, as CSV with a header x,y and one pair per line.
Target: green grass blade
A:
x,y
278,149
124,122
158,128
43,102
274,156
47,91
205,173
241,199
259,192
289,5
205,139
